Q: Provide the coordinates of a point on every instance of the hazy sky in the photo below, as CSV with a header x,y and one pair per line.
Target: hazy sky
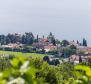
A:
x,y
67,19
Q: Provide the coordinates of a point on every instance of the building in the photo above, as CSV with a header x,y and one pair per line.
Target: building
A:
x,y
12,45
50,48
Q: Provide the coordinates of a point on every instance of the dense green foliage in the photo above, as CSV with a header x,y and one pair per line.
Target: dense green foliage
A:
x,y
33,71
26,38
68,51
24,70
84,42
64,43
51,39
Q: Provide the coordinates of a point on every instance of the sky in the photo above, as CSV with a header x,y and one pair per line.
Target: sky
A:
x,y
67,19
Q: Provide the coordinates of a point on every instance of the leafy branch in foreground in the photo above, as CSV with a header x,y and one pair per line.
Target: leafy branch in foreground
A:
x,y
24,70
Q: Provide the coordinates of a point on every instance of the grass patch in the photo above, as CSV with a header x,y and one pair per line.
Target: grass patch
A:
x,y
23,54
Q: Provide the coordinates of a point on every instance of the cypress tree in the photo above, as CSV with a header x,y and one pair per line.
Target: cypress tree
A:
x,y
37,38
84,42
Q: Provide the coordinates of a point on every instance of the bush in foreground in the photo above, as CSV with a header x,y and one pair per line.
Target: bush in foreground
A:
x,y
35,71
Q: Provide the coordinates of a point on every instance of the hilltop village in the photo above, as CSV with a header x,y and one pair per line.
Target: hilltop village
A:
x,y
73,51
29,59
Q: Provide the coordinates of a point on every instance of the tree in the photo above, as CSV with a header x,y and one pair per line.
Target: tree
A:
x,y
80,59
54,42
65,43
27,38
23,39
78,42
58,41
8,40
46,58
73,47
51,38
84,42
37,38
2,39
68,51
